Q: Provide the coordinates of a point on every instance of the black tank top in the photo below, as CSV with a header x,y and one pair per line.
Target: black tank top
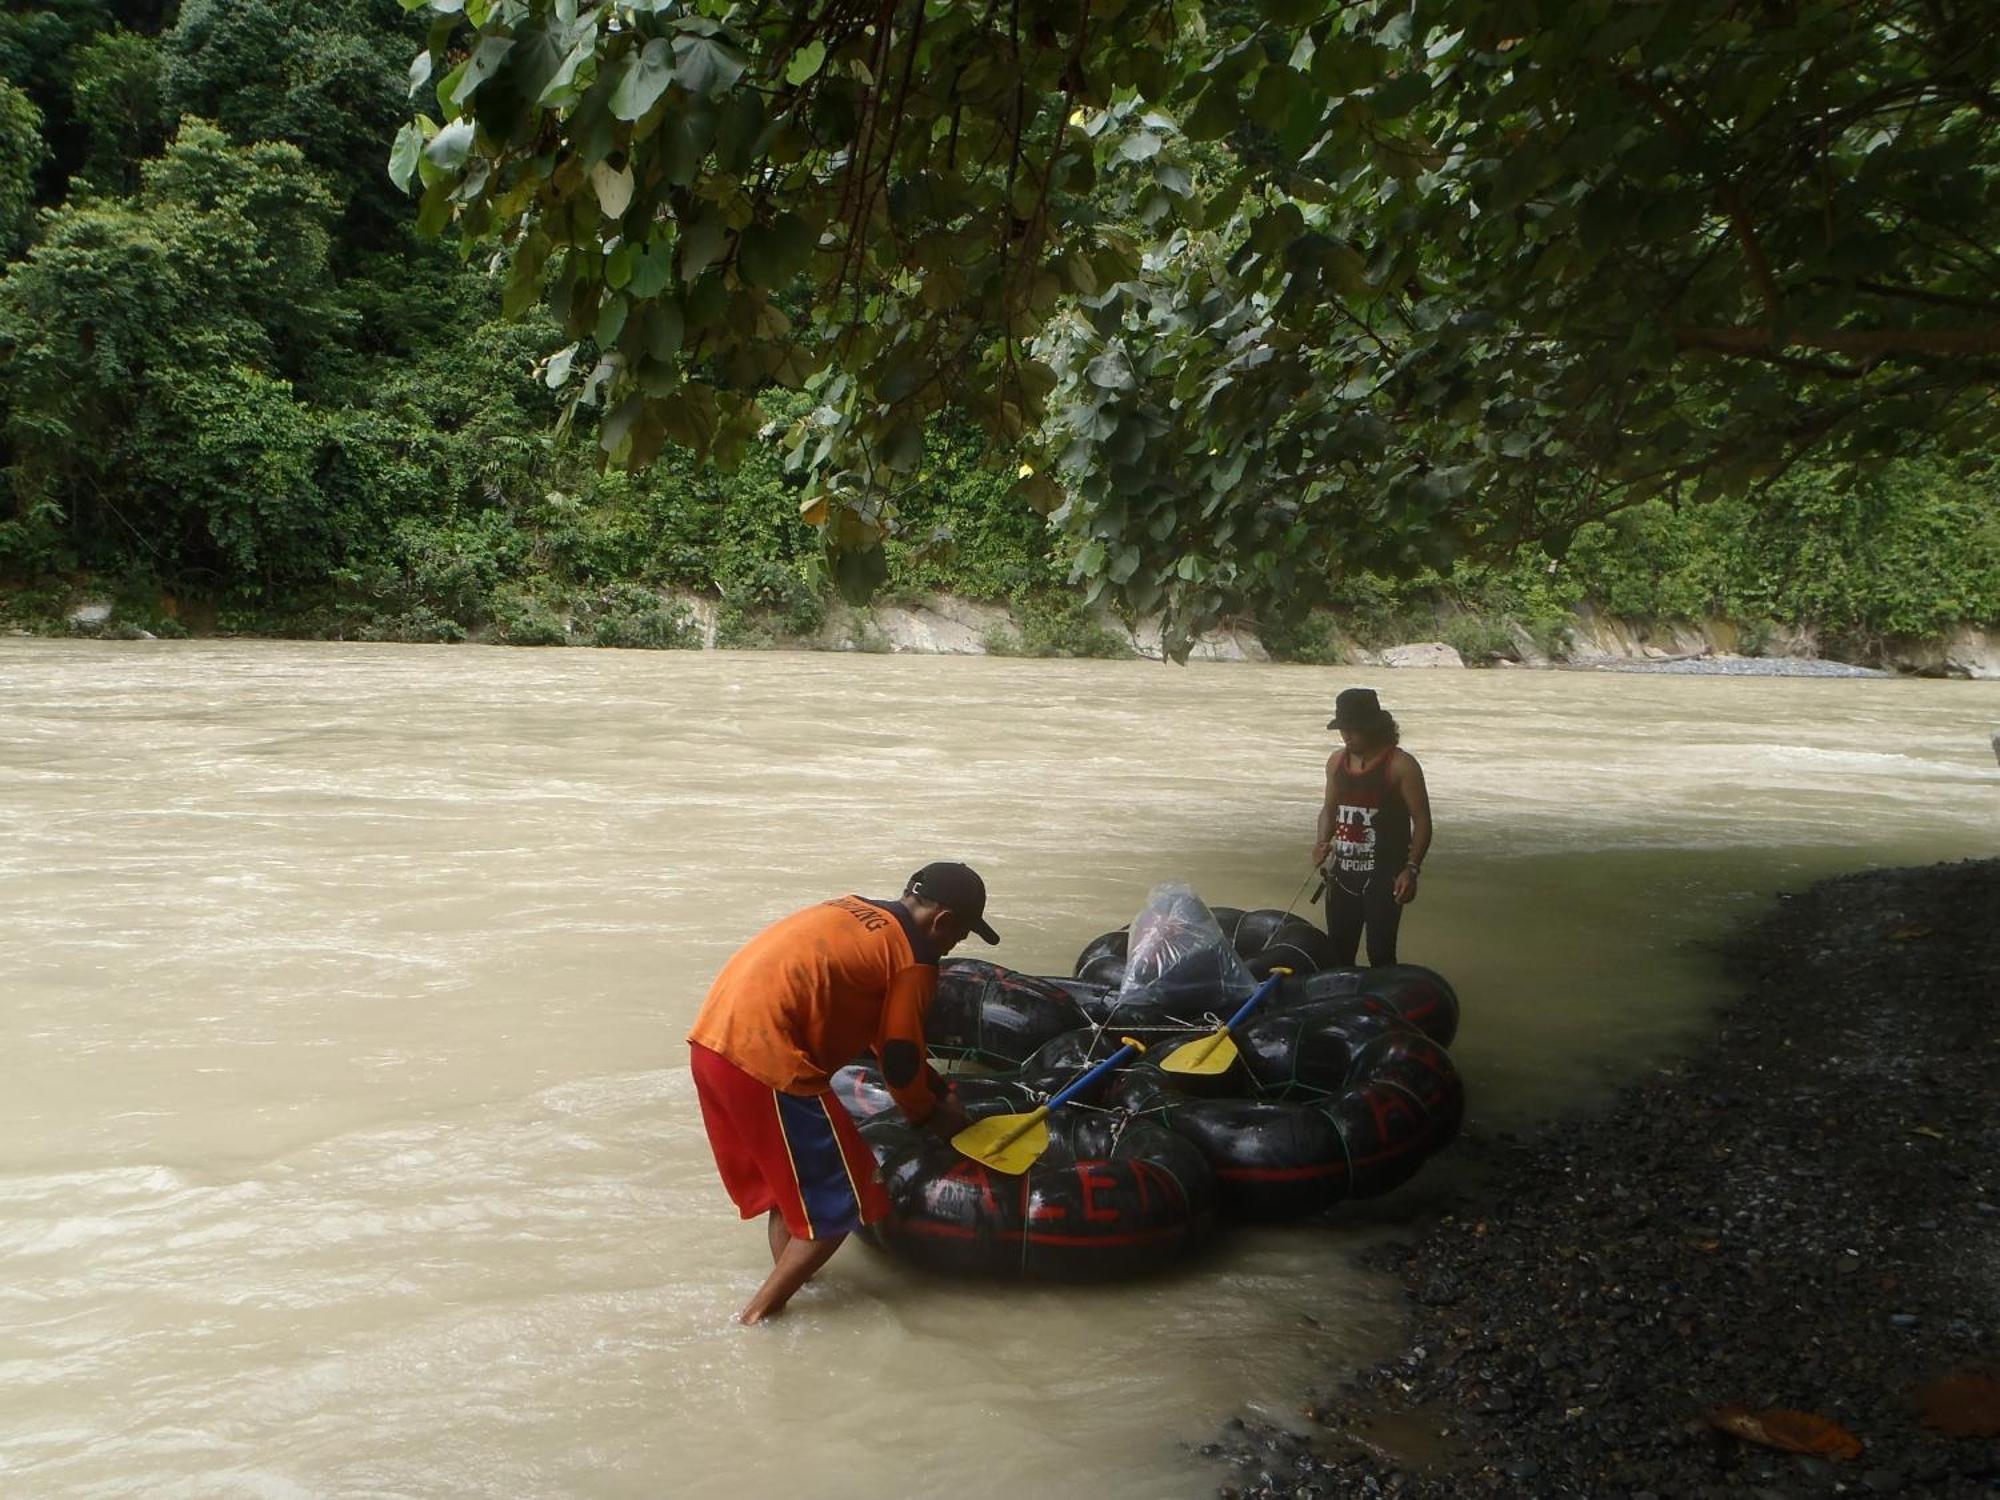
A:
x,y
1371,825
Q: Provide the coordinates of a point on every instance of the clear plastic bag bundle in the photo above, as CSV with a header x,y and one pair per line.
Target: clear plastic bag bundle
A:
x,y
1178,955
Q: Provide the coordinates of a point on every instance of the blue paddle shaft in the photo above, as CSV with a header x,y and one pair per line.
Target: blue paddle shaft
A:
x,y
1256,998
1093,1075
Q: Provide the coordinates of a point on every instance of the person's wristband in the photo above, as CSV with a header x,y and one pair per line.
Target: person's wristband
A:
x,y
1414,869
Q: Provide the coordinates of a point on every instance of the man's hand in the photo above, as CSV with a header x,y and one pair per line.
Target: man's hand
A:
x,y
1405,887
948,1119
1320,851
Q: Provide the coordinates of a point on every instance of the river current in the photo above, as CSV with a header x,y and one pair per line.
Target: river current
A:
x,y
347,1146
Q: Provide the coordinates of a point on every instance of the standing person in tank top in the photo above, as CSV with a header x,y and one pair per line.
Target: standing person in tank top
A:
x,y
1374,828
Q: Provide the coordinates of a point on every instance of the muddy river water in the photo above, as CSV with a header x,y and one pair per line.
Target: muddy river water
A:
x,y
347,1146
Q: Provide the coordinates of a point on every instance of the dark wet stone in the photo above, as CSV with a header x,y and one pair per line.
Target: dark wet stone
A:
x,y
1733,1228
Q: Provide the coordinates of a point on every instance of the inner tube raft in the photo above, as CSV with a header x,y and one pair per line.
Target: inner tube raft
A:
x,y
1343,1090
1338,1099
1112,1197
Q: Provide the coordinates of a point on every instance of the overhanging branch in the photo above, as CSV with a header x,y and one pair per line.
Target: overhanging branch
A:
x,y
1856,343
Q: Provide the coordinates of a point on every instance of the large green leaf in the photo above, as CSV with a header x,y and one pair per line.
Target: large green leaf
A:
x,y
701,242
404,155
772,254
645,76
706,64
450,147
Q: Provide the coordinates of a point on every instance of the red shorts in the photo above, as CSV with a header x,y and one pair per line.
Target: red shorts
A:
x,y
797,1153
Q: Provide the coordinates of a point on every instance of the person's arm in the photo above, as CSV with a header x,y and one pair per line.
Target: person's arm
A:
x,y
1323,839
1409,777
916,1087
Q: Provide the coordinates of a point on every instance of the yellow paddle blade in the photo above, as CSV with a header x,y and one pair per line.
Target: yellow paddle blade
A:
x,y
1006,1143
1206,1057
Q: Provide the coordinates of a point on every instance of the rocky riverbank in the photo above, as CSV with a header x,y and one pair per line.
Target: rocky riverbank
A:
x,y
1803,1217
948,625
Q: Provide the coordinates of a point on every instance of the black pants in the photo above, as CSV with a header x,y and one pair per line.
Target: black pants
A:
x,y
1375,909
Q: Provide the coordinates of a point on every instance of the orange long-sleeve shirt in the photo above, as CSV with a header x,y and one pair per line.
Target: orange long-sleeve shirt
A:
x,y
815,990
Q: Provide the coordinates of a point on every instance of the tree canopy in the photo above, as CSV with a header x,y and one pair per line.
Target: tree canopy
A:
x,y
231,375
1247,295
1247,291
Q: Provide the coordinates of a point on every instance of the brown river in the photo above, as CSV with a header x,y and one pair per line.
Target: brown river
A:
x,y
347,1146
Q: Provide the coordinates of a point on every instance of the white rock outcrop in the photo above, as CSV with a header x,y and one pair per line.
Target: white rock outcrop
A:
x,y
1526,651
1972,652
939,626
702,612
1233,642
1967,652
1422,654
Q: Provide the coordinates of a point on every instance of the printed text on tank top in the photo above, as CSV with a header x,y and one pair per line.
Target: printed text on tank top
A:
x,y
1371,822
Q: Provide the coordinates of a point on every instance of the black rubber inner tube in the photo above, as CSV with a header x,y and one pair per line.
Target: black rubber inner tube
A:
x,y
1111,1198
990,1015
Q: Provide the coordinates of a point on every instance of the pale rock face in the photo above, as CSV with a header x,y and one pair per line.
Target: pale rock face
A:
x,y
941,627
1595,638
1798,641
1525,649
702,614
1231,643
1967,652
90,614
1972,652
1422,654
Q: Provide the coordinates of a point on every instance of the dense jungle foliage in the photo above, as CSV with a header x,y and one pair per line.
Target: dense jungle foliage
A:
x,y
236,385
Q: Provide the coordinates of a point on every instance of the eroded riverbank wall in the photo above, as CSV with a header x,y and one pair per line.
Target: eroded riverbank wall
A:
x,y
948,625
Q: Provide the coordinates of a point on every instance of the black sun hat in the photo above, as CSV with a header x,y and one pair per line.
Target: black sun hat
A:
x,y
1357,708
958,888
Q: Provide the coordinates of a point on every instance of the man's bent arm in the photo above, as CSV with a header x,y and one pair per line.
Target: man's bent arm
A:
x,y
905,1063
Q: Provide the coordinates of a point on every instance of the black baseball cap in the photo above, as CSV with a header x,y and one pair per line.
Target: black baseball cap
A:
x,y
959,888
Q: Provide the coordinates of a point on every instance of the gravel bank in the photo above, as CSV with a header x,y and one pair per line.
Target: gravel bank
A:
x,y
1747,666
1804,1215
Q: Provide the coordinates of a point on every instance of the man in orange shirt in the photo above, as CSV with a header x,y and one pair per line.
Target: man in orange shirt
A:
x,y
799,1001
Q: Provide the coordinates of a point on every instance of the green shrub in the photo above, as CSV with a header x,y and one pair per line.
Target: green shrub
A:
x,y
628,616
419,626
1312,640
1060,625
738,631
1754,637
1477,638
521,618
1383,611
780,594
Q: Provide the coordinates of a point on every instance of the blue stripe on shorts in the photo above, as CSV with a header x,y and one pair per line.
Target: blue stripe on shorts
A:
x,y
825,1187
